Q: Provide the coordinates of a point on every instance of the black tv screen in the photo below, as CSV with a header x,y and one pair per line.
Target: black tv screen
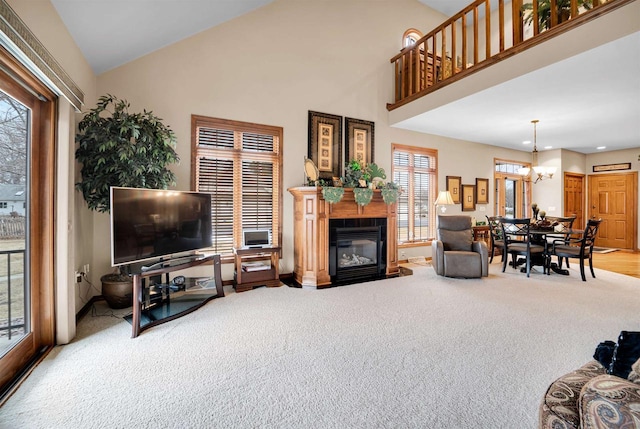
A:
x,y
152,224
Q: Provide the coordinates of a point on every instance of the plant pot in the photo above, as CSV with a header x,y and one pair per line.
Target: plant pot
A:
x,y
117,290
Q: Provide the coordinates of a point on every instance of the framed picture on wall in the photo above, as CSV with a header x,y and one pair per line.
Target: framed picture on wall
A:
x,y
482,191
325,144
468,198
454,187
359,140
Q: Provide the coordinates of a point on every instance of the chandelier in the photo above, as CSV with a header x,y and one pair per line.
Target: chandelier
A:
x,y
540,171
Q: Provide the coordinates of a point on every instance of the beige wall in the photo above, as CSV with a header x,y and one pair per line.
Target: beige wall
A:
x,y
274,65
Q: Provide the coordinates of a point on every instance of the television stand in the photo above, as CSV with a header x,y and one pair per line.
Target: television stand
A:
x,y
165,303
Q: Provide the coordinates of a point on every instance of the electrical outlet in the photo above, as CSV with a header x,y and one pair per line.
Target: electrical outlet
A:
x,y
85,269
78,277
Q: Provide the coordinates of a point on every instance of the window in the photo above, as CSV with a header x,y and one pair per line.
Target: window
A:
x,y
3,205
240,165
512,192
410,37
414,169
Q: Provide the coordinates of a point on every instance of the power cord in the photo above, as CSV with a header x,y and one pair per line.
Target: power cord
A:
x,y
85,299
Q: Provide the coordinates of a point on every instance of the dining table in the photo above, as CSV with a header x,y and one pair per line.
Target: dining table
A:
x,y
541,236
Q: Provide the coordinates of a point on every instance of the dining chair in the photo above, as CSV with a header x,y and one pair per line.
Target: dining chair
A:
x,y
579,248
562,227
495,230
517,241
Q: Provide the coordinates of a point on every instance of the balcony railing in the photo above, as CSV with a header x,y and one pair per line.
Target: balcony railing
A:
x,y
12,304
477,37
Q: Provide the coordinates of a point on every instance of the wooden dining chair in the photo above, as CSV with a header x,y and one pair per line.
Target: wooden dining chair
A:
x,y
495,230
562,226
517,241
579,248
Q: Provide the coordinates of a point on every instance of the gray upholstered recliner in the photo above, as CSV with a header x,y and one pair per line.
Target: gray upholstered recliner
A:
x,y
454,253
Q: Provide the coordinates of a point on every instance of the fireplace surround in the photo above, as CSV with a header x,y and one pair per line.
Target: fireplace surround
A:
x,y
313,221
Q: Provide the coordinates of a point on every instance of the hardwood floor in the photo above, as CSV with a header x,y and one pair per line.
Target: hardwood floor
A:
x,y
622,261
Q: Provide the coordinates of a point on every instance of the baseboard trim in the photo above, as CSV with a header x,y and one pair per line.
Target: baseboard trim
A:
x,y
85,309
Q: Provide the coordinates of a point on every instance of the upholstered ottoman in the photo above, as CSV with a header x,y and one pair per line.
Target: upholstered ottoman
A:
x,y
559,408
590,398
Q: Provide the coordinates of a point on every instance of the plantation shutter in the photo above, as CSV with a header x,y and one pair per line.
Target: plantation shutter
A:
x,y
414,169
401,177
239,164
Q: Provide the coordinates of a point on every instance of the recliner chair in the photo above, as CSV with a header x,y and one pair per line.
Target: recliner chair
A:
x,y
454,253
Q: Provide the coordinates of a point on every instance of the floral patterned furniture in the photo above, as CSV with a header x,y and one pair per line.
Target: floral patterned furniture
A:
x,y
590,398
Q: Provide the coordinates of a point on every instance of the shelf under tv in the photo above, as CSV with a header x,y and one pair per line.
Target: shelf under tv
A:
x,y
162,304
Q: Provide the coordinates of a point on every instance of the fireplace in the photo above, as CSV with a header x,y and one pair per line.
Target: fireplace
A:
x,y
315,223
357,250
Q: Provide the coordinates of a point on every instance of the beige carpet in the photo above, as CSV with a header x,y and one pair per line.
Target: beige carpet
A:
x,y
418,351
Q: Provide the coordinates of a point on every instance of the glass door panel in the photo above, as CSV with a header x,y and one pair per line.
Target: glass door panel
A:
x,y
510,198
15,119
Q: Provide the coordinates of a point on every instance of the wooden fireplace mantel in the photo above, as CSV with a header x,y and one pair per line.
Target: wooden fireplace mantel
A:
x,y
311,231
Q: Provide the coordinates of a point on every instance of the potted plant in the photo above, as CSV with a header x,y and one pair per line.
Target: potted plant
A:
x,y
544,11
119,148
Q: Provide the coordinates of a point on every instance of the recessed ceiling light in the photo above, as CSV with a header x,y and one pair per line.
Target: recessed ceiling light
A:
x,y
601,147
526,142
548,147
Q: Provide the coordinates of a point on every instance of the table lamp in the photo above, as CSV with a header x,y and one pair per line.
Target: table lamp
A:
x,y
444,199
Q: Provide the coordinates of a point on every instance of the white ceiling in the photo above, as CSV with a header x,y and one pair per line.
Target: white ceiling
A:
x,y
113,32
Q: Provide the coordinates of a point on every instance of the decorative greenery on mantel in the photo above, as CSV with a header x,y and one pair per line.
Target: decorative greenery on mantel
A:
x,y
363,179
332,194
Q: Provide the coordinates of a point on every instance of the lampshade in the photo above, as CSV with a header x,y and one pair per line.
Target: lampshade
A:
x,y
444,197
524,171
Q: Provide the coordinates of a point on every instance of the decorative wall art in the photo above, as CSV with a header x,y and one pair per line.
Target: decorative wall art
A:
x,y
482,191
325,143
454,187
468,198
359,140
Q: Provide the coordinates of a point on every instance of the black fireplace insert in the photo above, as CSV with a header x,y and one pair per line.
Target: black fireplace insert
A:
x,y
357,250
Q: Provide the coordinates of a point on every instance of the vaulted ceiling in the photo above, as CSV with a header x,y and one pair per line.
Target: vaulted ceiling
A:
x,y
111,33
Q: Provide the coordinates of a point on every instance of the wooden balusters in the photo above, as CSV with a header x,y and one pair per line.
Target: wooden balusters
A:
x,y
434,59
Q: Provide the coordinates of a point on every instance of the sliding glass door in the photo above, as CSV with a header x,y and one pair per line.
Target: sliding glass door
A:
x,y
26,219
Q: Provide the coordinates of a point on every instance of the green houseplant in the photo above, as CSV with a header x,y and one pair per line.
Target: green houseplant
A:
x,y
544,11
119,148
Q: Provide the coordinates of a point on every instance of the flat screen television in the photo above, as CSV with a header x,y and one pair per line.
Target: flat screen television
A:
x,y
149,224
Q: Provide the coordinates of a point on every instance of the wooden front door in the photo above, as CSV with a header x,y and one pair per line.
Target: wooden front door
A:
x,y
574,198
614,199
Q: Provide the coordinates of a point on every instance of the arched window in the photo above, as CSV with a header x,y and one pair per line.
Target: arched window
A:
x,y
410,37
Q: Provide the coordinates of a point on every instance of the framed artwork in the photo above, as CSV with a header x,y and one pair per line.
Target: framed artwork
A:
x,y
359,140
325,144
454,184
482,191
468,198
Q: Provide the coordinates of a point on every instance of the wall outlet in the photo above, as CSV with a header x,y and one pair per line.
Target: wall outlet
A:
x,y
78,277
85,269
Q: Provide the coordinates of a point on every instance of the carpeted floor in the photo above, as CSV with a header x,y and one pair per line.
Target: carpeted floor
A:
x,y
418,351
